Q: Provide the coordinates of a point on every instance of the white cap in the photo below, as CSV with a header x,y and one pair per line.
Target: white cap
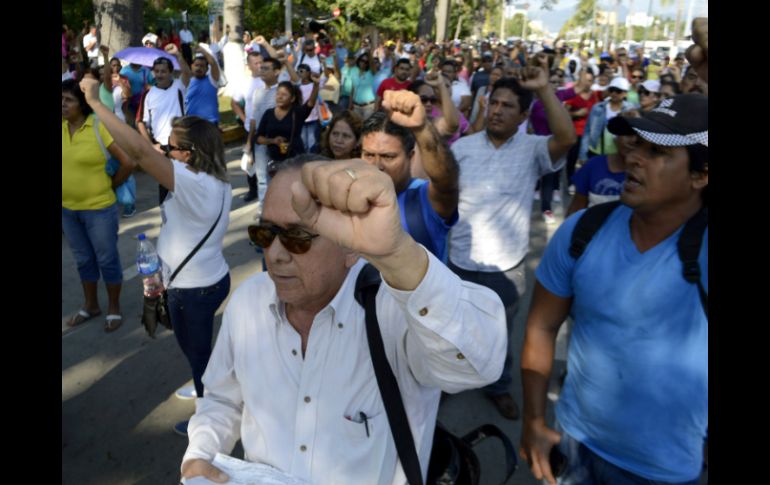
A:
x,y
651,86
597,87
620,83
150,37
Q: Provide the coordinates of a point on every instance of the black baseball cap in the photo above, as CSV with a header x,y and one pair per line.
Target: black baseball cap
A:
x,y
681,120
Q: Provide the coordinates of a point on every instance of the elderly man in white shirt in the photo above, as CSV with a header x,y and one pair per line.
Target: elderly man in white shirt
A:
x,y
498,171
291,371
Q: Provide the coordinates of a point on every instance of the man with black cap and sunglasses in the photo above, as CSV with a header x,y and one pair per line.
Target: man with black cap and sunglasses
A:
x,y
634,406
291,374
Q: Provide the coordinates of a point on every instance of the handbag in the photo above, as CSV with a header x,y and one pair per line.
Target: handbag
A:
x,y
155,308
452,459
324,113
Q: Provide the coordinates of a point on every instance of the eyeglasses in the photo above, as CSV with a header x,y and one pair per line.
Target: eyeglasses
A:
x,y
294,239
636,77
614,90
425,99
167,149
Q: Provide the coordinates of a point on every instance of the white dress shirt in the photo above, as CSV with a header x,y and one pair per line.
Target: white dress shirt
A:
x,y
301,415
496,190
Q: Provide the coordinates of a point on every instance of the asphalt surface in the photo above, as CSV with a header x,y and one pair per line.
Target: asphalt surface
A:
x,y
118,403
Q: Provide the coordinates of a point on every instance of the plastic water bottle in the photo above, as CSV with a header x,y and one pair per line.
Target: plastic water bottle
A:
x,y
148,264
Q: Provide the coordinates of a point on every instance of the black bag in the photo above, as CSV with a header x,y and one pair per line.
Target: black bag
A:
x,y
155,309
156,312
452,459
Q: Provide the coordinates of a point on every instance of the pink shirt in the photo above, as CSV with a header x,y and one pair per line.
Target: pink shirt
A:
x,y
436,114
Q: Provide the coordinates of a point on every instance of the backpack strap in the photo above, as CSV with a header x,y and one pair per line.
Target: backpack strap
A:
x,y
587,226
181,100
689,245
414,220
367,284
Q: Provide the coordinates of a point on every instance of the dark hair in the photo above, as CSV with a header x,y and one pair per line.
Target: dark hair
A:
x,y
205,142
275,62
71,86
294,90
449,62
403,61
255,53
163,60
524,96
674,85
356,124
379,122
415,86
304,66
699,159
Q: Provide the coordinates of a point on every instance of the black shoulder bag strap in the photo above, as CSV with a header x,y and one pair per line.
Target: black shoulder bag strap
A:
x,y
367,284
689,244
200,244
181,100
588,224
414,221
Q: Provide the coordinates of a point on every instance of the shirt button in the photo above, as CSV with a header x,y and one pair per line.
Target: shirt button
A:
x,y
339,325
293,352
307,398
423,312
303,448
460,356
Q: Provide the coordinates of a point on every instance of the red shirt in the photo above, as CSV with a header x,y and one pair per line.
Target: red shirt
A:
x,y
391,84
576,103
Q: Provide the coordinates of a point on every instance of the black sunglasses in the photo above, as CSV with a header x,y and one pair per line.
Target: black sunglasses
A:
x,y
644,92
425,99
294,239
636,77
167,149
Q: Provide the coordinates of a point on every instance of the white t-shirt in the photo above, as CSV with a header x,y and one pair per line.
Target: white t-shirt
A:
x,y
94,52
496,189
313,62
187,214
160,107
245,92
306,90
459,89
185,36
117,98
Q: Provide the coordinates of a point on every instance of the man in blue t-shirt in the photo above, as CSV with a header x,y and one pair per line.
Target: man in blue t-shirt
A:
x,y
388,141
634,406
202,91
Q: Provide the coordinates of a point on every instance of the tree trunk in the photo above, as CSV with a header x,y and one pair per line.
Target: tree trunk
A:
x,y
678,25
478,19
425,22
442,20
119,23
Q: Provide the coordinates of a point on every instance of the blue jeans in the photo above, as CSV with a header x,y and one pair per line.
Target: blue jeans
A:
x,y
584,467
93,239
311,134
192,315
509,286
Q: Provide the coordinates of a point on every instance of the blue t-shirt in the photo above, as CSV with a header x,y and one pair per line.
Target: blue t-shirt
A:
x,y
595,181
202,99
636,391
137,79
437,228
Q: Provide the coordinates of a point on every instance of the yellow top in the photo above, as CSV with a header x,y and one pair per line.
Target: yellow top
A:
x,y
85,184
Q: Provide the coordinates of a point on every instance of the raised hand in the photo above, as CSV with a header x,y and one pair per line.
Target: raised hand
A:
x,y
404,108
90,87
533,78
171,49
351,203
260,40
698,53
433,77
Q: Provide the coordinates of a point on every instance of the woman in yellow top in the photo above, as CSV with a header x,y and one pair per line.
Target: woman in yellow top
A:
x,y
89,211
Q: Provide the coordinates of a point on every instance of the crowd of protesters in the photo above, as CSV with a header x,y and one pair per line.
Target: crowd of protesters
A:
x,y
469,135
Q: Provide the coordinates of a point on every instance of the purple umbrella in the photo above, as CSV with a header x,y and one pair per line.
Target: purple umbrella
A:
x,y
145,56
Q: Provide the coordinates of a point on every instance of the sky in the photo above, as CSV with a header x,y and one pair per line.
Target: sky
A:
x,y
553,20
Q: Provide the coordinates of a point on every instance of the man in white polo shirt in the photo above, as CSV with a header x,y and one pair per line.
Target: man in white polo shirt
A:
x,y
498,171
186,39
91,46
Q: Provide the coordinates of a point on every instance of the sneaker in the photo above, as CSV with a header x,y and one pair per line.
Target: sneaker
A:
x,y
129,211
249,197
186,392
571,189
557,195
549,218
180,428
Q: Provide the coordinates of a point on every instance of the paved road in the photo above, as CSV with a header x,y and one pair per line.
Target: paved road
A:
x,y
118,404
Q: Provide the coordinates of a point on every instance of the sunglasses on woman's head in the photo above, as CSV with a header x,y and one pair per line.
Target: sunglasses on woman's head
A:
x,y
294,239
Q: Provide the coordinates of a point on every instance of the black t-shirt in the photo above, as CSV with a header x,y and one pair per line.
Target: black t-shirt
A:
x,y
271,127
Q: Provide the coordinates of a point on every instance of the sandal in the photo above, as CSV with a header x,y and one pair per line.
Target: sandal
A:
x,y
112,323
81,316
